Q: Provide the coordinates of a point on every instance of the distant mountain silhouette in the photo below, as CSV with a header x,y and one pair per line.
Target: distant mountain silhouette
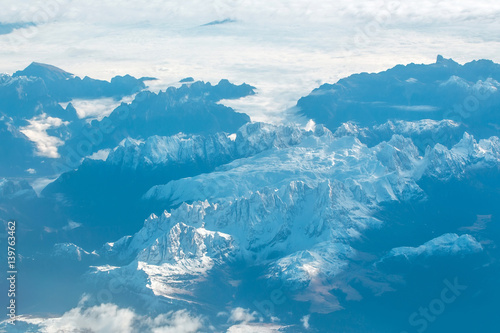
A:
x,y
443,90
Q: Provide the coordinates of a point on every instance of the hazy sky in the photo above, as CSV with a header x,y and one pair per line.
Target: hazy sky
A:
x,y
285,48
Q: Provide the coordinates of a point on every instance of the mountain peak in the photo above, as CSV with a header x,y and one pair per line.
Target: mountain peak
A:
x,y
44,71
443,61
187,80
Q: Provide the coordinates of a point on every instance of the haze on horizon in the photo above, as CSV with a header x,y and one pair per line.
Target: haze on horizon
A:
x,y
284,48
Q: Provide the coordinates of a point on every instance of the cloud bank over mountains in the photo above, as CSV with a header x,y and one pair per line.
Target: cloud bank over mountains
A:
x,y
285,48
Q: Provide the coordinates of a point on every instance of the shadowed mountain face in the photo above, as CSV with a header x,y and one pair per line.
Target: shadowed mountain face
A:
x,y
46,72
40,134
39,88
64,86
191,109
30,100
443,90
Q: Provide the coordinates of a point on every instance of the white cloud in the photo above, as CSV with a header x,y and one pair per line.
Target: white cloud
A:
x,y
31,171
36,131
39,184
305,321
100,155
98,108
104,318
255,328
246,321
109,318
94,108
176,322
72,225
197,12
242,315
284,47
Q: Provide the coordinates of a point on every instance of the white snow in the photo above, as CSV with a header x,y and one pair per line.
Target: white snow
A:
x,y
447,244
292,199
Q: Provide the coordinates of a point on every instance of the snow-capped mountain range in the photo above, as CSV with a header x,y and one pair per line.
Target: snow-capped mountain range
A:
x,y
294,202
262,226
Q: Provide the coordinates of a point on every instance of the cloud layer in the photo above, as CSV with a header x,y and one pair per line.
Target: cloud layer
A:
x,y
285,48
36,131
109,318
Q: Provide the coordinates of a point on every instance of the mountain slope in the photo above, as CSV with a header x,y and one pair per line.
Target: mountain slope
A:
x,y
443,90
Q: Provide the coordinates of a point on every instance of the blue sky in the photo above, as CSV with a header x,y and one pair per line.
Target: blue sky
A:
x,y
284,48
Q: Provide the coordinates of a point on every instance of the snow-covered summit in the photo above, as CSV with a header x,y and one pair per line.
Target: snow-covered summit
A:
x,y
250,139
293,199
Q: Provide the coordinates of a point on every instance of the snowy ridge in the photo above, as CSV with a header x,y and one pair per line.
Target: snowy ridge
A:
x,y
318,158
249,140
71,251
289,222
447,244
254,138
446,163
416,127
425,132
186,242
315,160
305,202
